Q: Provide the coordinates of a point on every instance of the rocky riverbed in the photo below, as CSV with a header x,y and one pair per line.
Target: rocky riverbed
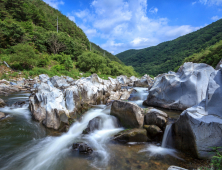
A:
x,y
105,113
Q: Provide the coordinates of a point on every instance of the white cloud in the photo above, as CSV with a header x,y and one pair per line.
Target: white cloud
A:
x,y
211,2
124,25
54,3
215,18
193,3
71,17
153,10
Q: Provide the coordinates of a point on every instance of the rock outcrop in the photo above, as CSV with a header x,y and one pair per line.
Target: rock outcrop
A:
x,y
199,127
48,106
180,90
130,115
132,135
60,98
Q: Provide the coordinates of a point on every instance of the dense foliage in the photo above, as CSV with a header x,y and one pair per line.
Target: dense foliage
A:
x,y
29,41
168,55
211,55
94,63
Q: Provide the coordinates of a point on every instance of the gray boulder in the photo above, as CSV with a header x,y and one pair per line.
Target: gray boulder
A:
x,y
2,103
199,127
130,115
132,135
180,90
155,117
145,81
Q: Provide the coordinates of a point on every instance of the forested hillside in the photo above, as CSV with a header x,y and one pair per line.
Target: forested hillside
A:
x,y
29,41
211,55
107,54
169,55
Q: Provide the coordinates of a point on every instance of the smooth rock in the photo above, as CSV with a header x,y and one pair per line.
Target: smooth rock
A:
x,y
2,103
94,124
155,117
152,130
130,115
132,135
2,115
198,128
176,168
180,90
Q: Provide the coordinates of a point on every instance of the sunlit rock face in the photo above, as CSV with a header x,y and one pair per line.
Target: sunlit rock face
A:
x,y
180,90
199,127
130,115
60,98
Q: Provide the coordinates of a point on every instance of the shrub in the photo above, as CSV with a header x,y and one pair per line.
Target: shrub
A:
x,y
24,55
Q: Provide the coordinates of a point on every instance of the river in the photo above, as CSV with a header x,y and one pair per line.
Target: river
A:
x,y
27,145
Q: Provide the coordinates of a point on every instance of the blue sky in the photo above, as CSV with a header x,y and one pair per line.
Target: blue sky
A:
x,y
119,25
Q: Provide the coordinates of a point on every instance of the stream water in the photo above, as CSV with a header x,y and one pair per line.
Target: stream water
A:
x,y
27,145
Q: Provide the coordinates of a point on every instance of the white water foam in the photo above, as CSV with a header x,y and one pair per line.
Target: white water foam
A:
x,y
48,152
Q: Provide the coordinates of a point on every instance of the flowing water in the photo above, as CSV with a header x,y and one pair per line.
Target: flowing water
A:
x,y
27,145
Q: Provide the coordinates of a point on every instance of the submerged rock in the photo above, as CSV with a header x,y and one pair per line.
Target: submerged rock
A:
x,y
180,90
82,148
198,128
2,103
130,115
132,135
155,117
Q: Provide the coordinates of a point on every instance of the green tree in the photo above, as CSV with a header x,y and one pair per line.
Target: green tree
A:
x,y
24,55
68,63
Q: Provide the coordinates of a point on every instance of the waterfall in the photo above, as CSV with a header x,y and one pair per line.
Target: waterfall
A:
x,y
48,152
166,136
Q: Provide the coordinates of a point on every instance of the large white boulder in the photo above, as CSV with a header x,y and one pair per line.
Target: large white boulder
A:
x,y
60,98
199,128
48,106
180,90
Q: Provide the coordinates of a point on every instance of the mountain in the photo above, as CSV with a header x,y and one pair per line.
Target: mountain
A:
x,y
171,54
29,42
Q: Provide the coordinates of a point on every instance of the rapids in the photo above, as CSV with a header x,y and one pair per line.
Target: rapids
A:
x,y
27,144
